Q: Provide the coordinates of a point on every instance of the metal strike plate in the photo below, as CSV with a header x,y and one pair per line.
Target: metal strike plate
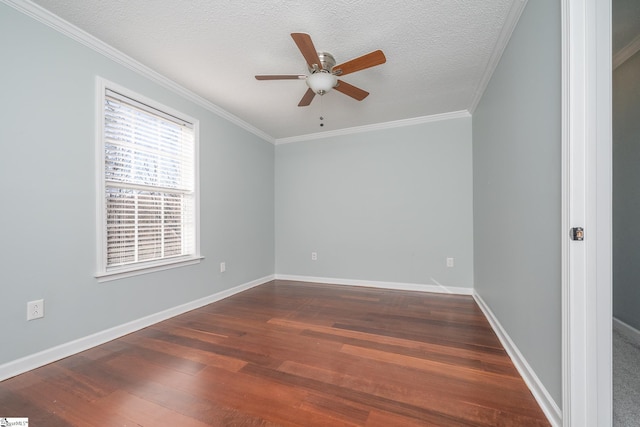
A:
x,y
577,233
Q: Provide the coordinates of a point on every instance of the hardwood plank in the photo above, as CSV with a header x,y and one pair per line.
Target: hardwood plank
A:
x,y
62,404
180,393
493,363
193,354
143,412
351,395
13,405
438,395
379,418
337,408
280,402
507,383
436,353
290,354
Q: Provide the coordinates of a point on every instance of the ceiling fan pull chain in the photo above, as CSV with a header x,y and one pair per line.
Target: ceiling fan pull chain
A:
x,y
321,111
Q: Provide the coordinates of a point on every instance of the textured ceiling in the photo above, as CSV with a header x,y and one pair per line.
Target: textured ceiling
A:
x,y
438,52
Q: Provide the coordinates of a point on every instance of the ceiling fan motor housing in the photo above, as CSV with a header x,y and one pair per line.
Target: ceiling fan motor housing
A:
x,y
327,60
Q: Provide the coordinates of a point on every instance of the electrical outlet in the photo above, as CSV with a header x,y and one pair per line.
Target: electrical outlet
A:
x,y
223,267
35,309
314,256
449,262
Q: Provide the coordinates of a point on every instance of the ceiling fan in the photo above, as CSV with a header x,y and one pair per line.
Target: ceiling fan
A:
x,y
324,72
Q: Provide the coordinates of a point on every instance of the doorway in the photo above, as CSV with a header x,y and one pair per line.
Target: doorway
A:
x,y
626,210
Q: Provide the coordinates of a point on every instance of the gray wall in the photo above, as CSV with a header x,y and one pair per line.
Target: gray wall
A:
x,y
517,192
388,205
48,245
626,192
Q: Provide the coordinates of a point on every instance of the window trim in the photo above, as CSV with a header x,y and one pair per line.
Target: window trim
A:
x,y
104,273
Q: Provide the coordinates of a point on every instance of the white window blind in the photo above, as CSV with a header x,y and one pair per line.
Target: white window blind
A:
x,y
149,207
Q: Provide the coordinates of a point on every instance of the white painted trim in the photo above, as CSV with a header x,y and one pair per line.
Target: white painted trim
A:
x,y
626,52
420,287
567,322
501,44
108,276
540,393
50,355
626,330
100,229
587,171
44,16
374,127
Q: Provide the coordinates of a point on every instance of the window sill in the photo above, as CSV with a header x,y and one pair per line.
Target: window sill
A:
x,y
130,271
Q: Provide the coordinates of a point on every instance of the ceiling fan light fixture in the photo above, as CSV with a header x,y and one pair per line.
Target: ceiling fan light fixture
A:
x,y
322,82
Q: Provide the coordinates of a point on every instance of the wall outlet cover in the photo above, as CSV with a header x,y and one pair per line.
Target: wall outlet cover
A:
x,y
35,309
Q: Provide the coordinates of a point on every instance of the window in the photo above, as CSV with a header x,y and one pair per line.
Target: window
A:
x,y
148,198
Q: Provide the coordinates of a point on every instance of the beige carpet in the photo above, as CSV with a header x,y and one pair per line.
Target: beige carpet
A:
x,y
626,381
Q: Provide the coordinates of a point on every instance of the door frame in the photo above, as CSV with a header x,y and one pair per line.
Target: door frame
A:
x,y
586,202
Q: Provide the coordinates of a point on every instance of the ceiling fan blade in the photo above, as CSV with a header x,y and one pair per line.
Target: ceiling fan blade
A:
x,y
281,77
308,50
350,90
360,63
307,98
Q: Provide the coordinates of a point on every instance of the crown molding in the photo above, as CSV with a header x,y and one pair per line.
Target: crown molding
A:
x,y
626,52
53,21
375,127
517,7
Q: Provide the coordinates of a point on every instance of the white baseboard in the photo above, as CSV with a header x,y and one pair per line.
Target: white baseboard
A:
x,y
50,355
540,393
377,284
626,330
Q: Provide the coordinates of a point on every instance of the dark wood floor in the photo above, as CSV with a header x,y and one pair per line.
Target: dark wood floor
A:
x,y
290,354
